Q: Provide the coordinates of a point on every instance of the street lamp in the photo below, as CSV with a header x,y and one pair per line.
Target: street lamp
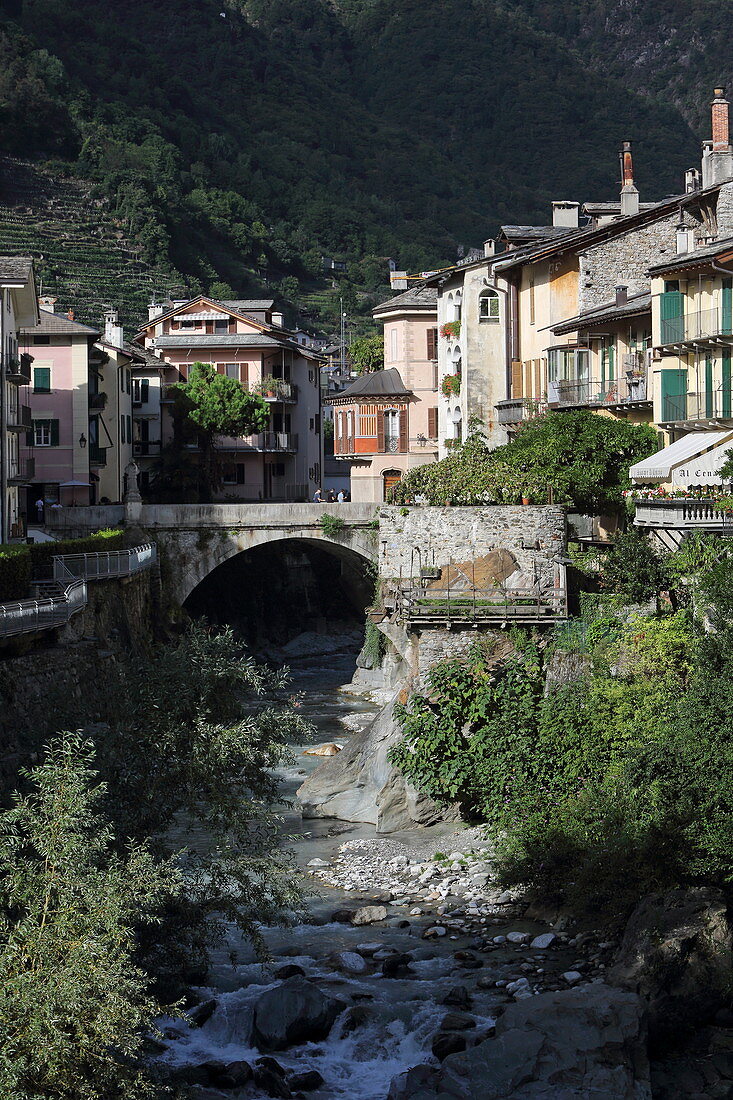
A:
x,y
82,441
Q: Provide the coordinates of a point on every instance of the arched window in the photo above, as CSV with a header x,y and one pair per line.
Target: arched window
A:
x,y
457,360
488,306
457,306
392,431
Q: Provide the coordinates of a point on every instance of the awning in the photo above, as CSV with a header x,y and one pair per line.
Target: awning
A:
x,y
202,315
659,467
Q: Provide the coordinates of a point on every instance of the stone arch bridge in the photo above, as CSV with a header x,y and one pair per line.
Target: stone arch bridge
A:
x,y
193,539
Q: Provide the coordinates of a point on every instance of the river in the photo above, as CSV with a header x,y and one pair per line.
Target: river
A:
x,y
399,1016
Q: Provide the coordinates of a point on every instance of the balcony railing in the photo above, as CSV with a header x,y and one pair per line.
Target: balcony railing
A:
x,y
511,412
146,447
438,607
681,513
19,418
97,400
275,441
696,407
18,369
568,392
281,391
21,471
702,325
109,563
97,455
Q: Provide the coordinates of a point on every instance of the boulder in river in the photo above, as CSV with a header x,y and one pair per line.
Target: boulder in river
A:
x,y
369,914
574,1044
330,748
677,953
296,1011
307,1080
447,1042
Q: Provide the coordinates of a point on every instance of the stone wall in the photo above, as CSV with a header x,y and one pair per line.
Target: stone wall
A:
x,y
625,260
534,535
63,679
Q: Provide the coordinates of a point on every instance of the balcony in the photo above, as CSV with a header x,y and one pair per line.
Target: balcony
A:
x,y
286,392
146,447
703,327
98,401
19,418
511,412
97,455
18,369
275,441
21,471
697,411
570,393
682,514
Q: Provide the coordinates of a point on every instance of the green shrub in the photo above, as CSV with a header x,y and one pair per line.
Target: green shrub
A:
x,y
633,570
15,573
41,553
375,644
331,525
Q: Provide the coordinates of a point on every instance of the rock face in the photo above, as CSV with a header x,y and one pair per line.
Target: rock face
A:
x,y
360,784
677,953
585,1044
294,1012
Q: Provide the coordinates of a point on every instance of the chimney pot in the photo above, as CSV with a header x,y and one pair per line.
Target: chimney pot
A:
x,y
70,315
622,295
721,137
489,247
629,193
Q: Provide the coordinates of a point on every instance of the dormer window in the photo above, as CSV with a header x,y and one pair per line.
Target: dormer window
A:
x,y
189,324
488,306
221,326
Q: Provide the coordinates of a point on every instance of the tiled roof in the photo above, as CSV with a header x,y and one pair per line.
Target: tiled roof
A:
x,y
15,269
609,311
241,339
381,383
58,324
417,297
534,232
246,304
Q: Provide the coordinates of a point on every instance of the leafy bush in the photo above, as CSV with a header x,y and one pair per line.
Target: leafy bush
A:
x,y
331,525
41,553
15,573
632,569
375,645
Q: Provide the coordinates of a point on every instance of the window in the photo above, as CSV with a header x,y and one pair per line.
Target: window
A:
x,y
488,306
123,436
231,369
277,469
432,338
221,326
46,433
567,363
393,344
189,324
41,379
432,423
140,390
41,339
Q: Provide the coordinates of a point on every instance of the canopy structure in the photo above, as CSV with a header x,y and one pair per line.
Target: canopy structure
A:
x,y
693,460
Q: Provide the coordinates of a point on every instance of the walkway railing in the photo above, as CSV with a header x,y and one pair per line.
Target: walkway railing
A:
x,y
45,613
432,606
67,592
108,563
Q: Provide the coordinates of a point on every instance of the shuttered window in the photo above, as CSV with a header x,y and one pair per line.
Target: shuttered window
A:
x,y
432,423
41,379
46,433
403,430
380,433
432,335
517,379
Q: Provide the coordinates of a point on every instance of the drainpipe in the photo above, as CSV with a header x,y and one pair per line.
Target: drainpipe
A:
x,y
3,421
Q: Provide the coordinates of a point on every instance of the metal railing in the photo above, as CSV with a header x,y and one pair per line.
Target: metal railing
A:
x,y
566,393
698,405
701,325
107,563
18,369
275,441
19,418
282,391
97,455
146,447
45,613
433,606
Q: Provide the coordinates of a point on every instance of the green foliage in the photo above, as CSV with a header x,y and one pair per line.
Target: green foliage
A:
x,y
15,573
375,644
74,1005
216,404
332,526
41,553
726,470
632,569
582,458
367,354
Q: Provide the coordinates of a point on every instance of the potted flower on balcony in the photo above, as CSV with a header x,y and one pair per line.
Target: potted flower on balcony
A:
x,y
267,386
451,329
451,385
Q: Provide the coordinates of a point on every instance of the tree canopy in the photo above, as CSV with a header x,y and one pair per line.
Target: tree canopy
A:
x,y
367,354
576,458
217,405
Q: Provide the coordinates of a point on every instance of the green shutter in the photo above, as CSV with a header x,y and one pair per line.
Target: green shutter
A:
x,y
674,395
726,383
42,379
709,403
727,311
144,388
54,432
672,316
611,364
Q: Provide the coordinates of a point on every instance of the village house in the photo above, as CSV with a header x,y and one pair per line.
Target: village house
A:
x,y
18,309
386,422
246,340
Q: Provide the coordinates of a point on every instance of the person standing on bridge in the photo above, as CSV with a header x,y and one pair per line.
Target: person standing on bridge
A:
x,y
317,497
341,497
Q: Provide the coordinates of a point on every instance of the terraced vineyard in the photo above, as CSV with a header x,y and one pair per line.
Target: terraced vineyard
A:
x,y
82,255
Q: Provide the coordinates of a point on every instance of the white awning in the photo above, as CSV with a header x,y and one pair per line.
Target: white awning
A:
x,y
202,315
659,467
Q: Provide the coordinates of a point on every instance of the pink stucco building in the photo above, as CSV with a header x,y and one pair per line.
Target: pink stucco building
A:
x,y
246,340
386,423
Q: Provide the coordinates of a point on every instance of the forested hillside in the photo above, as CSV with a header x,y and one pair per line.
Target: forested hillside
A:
x,y
237,141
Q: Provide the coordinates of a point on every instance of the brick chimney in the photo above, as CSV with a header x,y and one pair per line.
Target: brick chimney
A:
x,y
629,193
71,315
717,156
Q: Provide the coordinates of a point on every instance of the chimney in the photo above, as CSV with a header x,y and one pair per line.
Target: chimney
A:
x,y
489,247
629,193
155,310
113,333
278,319
47,303
692,181
622,295
717,156
70,315
565,213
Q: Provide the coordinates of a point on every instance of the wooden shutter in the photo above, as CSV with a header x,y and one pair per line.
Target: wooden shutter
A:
x,y
537,378
232,325
432,423
432,335
403,431
144,389
54,433
380,432
516,378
